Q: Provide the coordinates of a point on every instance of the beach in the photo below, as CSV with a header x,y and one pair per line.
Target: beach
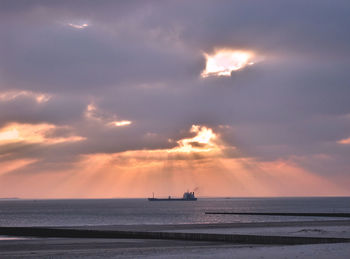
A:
x,y
38,247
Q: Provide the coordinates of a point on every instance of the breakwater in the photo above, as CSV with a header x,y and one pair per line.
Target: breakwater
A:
x,y
231,238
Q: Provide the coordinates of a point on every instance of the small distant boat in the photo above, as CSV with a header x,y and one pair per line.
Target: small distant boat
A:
x,y
188,196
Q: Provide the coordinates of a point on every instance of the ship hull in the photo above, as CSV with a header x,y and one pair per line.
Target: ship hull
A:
x,y
171,199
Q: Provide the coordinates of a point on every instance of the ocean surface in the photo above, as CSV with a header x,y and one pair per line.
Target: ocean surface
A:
x,y
85,212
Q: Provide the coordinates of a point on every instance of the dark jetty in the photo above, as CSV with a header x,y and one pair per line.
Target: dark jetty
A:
x,y
336,215
231,238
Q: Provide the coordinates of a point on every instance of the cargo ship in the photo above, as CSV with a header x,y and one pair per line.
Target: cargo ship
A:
x,y
188,196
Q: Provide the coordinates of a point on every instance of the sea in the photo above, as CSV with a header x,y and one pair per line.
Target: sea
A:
x,y
96,212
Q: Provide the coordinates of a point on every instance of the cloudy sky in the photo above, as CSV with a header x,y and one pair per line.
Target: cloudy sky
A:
x,y
125,98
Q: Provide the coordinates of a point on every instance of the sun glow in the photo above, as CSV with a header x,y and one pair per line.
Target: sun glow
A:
x,y
202,142
223,62
196,162
11,165
9,134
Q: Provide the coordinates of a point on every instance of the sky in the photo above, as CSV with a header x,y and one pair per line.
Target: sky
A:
x,y
105,99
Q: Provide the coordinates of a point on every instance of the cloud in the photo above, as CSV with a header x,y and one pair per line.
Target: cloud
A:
x,y
94,113
344,141
11,95
204,141
34,133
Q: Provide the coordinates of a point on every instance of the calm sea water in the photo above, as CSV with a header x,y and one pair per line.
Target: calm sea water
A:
x,y
141,211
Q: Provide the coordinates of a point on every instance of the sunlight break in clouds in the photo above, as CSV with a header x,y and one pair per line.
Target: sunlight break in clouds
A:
x,y
78,26
92,112
223,62
33,133
120,123
202,142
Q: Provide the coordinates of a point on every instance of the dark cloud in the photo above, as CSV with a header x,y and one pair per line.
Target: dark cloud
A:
x,y
59,109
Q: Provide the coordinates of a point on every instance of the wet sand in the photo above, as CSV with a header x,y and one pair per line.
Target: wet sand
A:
x,y
164,227
150,248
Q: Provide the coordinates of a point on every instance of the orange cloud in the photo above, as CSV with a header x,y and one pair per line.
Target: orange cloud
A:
x,y
33,133
345,141
204,141
38,97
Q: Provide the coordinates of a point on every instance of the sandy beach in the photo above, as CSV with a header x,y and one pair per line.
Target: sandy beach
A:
x,y
32,247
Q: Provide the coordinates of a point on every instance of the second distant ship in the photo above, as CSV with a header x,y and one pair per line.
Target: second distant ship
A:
x,y
188,196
